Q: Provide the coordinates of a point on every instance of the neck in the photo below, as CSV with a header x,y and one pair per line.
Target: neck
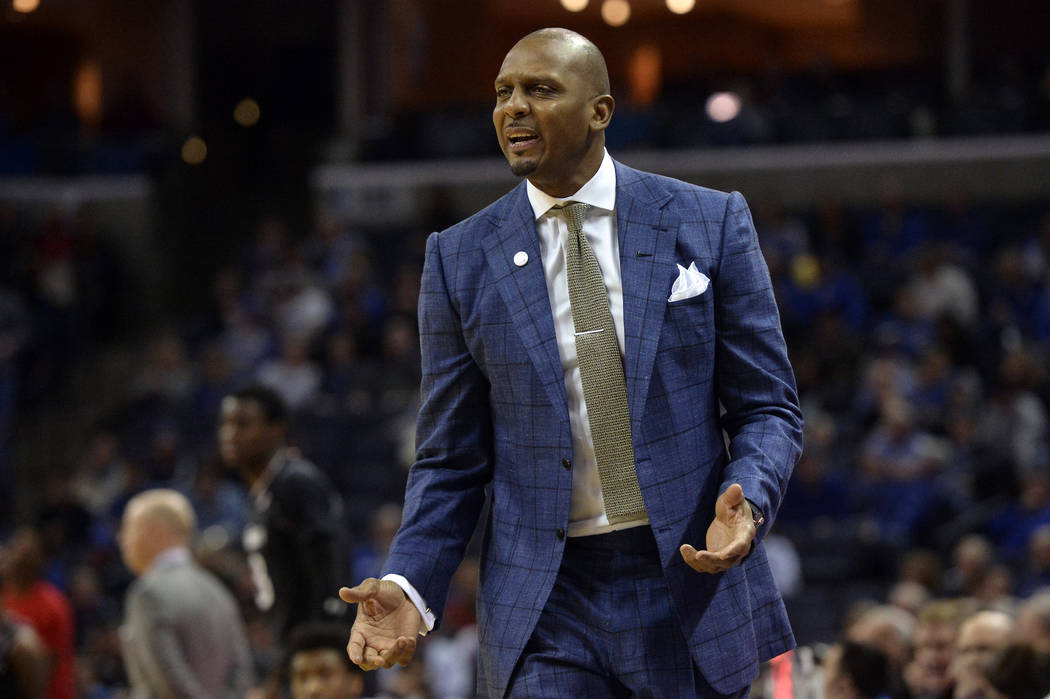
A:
x,y
253,471
581,174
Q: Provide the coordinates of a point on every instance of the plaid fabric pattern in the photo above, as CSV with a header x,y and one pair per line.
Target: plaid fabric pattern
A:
x,y
601,373
608,629
494,419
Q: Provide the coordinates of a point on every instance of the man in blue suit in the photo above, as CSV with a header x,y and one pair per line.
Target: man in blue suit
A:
x,y
603,470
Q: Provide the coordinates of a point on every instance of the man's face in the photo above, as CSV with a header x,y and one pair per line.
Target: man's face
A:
x,y
934,649
837,685
545,116
979,639
323,674
133,543
245,437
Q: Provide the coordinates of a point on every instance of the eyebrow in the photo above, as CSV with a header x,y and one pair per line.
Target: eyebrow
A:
x,y
530,79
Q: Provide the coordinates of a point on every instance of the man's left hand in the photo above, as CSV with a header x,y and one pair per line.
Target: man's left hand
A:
x,y
729,536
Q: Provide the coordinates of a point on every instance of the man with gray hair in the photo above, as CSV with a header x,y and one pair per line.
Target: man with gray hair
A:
x,y
981,636
183,635
1033,620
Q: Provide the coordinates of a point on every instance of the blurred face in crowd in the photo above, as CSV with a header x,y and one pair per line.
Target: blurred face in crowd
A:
x,y
1032,626
322,673
246,438
22,560
837,684
980,637
551,111
934,650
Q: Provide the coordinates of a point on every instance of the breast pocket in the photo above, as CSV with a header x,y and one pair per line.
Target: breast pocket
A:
x,y
691,317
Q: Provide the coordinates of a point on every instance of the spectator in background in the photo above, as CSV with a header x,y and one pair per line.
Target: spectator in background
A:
x,y
367,560
1019,671
167,375
23,660
183,635
929,675
292,375
981,636
1014,419
318,666
294,535
972,557
219,503
300,307
890,629
1033,620
1011,526
42,605
1036,573
908,595
102,474
856,671
942,288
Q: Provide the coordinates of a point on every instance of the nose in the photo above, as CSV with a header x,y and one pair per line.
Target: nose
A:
x,y
516,105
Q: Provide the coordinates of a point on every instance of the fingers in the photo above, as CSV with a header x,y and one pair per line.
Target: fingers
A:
x,y
368,657
366,590
355,648
400,653
714,561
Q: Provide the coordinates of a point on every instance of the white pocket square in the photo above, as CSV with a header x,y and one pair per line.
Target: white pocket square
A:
x,y
691,282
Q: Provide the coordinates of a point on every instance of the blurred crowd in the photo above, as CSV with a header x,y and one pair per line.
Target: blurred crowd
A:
x,y
920,337
1008,95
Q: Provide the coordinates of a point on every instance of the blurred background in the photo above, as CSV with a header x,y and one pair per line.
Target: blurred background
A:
x,y
195,195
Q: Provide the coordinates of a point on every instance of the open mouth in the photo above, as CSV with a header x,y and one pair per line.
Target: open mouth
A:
x,y
520,140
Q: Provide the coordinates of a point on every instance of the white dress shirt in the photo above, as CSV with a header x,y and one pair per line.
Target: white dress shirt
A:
x,y
587,508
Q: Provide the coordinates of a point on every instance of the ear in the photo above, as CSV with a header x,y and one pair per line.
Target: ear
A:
x,y
603,107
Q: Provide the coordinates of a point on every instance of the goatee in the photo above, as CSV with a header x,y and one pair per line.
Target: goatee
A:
x,y
523,168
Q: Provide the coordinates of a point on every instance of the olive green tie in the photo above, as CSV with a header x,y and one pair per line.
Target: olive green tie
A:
x,y
601,372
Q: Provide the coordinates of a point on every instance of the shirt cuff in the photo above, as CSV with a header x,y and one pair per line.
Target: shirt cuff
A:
x,y
427,622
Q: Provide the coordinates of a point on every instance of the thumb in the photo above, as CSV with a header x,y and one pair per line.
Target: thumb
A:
x,y
733,495
366,590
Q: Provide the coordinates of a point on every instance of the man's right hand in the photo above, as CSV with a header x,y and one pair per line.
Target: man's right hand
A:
x,y
387,624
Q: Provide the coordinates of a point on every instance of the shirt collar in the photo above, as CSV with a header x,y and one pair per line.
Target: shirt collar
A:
x,y
262,483
173,556
599,192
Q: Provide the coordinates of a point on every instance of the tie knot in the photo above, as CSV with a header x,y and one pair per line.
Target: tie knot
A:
x,y
575,212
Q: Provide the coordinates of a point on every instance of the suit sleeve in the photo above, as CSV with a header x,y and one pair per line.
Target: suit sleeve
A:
x,y
243,678
446,485
753,377
165,665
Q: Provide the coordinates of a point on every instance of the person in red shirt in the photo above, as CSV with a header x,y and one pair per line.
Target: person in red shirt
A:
x,y
41,605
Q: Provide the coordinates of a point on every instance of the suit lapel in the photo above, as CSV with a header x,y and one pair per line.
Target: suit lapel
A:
x,y
524,290
647,234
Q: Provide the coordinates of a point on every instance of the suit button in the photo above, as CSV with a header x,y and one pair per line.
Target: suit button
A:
x,y
560,534
566,464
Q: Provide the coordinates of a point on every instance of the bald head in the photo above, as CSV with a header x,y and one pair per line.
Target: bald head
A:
x,y
155,521
552,109
980,637
580,51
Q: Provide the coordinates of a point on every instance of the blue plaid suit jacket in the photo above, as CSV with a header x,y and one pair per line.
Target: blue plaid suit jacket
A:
x,y
494,417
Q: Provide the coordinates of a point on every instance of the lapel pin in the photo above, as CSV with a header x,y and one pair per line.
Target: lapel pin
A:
x,y
520,258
